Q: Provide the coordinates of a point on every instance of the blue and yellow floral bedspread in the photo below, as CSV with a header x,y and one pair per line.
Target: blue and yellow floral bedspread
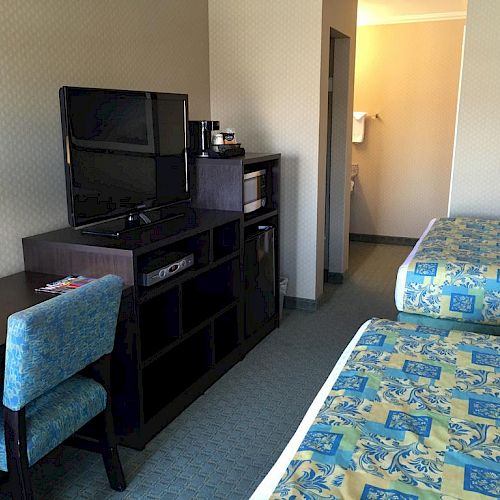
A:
x,y
455,273
414,414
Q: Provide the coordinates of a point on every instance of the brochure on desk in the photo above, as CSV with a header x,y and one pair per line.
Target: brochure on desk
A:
x,y
65,284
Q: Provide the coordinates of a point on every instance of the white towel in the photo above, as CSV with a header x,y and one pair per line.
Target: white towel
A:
x,y
358,126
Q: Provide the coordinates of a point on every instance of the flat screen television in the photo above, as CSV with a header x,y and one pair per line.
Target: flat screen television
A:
x,y
124,152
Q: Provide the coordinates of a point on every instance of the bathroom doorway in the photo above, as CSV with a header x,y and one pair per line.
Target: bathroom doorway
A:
x,y
406,81
337,201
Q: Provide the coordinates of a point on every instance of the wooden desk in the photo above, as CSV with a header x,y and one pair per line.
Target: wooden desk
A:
x,y
17,292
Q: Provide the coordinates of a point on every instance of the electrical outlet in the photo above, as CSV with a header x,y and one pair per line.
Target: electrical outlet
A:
x,y
354,169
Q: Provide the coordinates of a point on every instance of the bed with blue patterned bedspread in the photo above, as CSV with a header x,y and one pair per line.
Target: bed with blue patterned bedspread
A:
x,y
411,413
453,272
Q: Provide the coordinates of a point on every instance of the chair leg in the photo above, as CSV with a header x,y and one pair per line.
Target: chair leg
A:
x,y
20,480
109,452
17,455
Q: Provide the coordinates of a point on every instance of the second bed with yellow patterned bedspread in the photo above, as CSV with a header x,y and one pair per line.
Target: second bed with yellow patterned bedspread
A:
x,y
414,414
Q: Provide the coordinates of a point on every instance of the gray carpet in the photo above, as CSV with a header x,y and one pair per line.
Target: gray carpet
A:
x,y
226,441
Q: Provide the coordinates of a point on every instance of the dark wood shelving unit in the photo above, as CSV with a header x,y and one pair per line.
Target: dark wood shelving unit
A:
x,y
260,215
219,184
176,338
182,333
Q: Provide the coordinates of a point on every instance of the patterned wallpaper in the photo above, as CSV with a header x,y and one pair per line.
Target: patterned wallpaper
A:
x,y
264,82
405,159
147,44
475,187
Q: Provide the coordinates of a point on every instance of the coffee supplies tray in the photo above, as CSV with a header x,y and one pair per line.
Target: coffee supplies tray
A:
x,y
225,150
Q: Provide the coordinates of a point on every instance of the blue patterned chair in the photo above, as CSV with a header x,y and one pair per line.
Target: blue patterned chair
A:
x,y
45,398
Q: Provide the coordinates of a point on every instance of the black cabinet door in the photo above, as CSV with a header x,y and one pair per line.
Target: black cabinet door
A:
x,y
260,290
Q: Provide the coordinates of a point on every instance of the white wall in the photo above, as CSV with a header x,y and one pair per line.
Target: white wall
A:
x,y
407,73
405,159
147,44
475,185
267,82
265,75
339,15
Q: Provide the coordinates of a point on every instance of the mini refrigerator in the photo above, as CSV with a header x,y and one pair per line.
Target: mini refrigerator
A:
x,y
260,281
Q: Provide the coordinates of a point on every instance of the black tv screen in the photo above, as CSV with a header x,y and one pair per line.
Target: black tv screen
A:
x,y
124,151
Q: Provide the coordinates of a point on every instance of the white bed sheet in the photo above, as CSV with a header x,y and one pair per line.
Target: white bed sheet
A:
x,y
403,269
269,483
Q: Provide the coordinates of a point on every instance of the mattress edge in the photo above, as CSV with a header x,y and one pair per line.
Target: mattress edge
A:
x,y
272,478
403,269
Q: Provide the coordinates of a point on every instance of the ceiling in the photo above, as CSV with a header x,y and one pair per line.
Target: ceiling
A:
x,y
404,11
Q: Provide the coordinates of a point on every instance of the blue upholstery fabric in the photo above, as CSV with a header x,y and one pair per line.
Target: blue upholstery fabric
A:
x,y
56,415
50,342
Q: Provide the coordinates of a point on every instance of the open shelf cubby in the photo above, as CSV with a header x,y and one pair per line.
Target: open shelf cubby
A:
x,y
176,371
198,245
226,239
226,333
209,293
159,322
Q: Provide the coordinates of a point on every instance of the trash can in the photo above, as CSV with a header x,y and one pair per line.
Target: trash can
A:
x,y
283,287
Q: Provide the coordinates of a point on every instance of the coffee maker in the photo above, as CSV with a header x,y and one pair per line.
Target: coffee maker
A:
x,y
200,133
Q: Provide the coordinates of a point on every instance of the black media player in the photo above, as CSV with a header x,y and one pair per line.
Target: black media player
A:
x,y
164,266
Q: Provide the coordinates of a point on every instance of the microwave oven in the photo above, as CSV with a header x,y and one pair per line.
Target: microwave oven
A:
x,y
254,190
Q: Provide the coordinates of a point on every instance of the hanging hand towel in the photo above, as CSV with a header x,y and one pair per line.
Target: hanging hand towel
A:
x,y
358,126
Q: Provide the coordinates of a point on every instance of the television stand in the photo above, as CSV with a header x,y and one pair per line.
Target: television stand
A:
x,y
134,221
178,336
